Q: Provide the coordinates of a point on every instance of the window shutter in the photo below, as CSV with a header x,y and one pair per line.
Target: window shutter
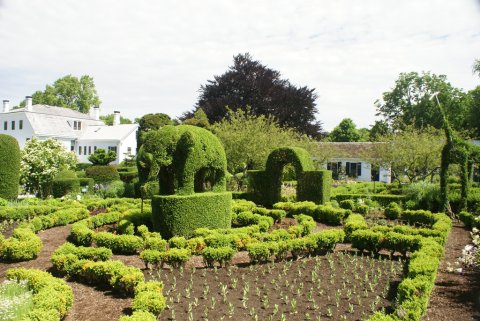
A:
x,y
347,168
359,169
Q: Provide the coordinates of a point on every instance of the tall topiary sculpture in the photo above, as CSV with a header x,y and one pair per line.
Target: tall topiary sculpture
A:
x,y
190,165
10,167
312,185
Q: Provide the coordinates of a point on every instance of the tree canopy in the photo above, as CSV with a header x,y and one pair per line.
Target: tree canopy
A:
x,y
410,103
69,92
108,119
346,131
199,119
41,162
250,83
150,122
248,139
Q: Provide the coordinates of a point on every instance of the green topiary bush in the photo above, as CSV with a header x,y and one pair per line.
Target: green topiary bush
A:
x,y
181,215
314,186
10,167
103,174
393,211
347,204
220,255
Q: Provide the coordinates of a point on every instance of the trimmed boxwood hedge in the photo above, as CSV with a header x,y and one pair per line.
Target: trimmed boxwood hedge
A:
x,y
382,199
103,173
314,186
181,215
10,167
64,186
52,297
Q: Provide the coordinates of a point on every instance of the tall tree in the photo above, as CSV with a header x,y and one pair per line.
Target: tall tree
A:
x,y
108,119
150,122
199,119
69,92
248,139
346,131
249,83
474,112
379,129
476,67
409,103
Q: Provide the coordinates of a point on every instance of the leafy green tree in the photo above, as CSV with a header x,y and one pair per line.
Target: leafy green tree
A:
x,y
41,162
249,83
412,153
476,67
150,122
409,103
474,112
346,131
248,139
101,157
199,119
108,119
69,92
379,129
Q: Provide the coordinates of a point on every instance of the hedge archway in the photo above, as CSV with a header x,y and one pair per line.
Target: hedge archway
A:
x,y
311,185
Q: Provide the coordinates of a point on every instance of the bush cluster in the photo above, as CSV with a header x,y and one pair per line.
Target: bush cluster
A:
x,y
52,297
321,213
102,174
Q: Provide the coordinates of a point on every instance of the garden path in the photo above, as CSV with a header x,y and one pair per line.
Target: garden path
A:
x,y
455,296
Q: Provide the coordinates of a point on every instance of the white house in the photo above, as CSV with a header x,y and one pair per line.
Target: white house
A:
x,y
347,159
78,132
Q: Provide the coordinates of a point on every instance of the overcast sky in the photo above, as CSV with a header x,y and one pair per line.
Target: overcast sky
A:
x,y
152,56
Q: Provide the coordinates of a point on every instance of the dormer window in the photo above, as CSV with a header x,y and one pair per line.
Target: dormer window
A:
x,y
77,125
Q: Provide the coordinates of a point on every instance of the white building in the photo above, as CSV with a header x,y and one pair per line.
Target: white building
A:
x,y
346,159
78,132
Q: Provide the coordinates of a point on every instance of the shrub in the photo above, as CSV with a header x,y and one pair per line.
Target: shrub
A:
x,y
23,245
149,301
393,211
325,241
151,257
347,204
382,199
178,242
306,223
330,215
81,252
366,240
176,257
354,222
396,242
119,244
102,174
196,245
80,234
125,227
314,186
3,202
261,251
418,216
302,247
222,255
139,316
181,215
362,209
222,240
52,297
10,168
155,243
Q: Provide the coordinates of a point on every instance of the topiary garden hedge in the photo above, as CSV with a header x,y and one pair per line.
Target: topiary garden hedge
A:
x,y
10,167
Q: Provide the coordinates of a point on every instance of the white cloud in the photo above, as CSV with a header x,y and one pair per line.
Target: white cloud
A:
x,y
152,56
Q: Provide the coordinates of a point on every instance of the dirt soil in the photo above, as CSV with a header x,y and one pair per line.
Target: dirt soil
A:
x,y
455,296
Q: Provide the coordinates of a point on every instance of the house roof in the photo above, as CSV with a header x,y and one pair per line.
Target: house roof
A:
x,y
54,111
348,149
104,132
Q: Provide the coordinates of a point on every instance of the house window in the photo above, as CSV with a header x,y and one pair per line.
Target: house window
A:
x,y
89,150
94,149
336,168
79,150
77,125
129,150
20,124
72,145
5,125
84,150
353,169
112,148
13,125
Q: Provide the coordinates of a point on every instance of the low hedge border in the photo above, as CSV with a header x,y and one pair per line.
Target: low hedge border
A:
x,y
52,297
414,291
87,266
382,199
326,214
25,245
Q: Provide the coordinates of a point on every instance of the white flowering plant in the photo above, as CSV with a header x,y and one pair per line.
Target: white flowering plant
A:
x,y
470,254
41,161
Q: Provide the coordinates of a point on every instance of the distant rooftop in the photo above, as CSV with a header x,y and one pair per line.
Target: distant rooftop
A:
x,y
349,149
54,111
103,132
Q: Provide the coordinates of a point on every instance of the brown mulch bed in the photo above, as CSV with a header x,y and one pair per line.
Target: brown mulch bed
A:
x,y
455,296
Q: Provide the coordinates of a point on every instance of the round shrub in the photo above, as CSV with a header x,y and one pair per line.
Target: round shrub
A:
x,y
10,167
347,204
103,174
393,211
115,189
65,182
362,209
3,202
151,301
